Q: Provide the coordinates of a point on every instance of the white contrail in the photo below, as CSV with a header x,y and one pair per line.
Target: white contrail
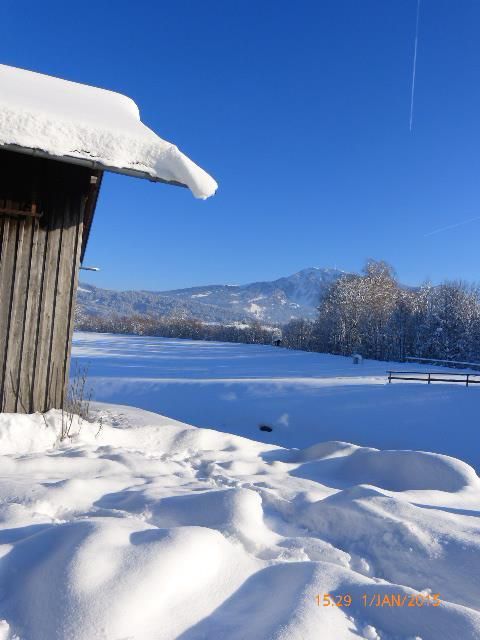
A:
x,y
414,65
451,226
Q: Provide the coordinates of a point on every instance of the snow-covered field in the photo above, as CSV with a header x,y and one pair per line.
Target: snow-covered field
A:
x,y
144,528
306,397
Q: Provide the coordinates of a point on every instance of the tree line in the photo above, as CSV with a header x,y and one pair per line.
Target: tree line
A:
x,y
171,327
373,315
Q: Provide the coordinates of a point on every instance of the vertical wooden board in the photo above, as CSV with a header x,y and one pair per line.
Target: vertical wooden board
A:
x,y
36,369
7,271
16,360
46,311
2,227
3,297
32,320
53,383
73,293
63,297
17,313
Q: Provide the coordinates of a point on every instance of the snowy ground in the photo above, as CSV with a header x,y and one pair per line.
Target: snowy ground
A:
x,y
305,397
144,528
155,530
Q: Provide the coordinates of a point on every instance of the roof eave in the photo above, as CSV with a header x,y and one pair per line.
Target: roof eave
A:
x,y
92,164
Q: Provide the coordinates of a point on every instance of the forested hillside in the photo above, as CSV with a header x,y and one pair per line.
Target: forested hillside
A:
x,y
374,315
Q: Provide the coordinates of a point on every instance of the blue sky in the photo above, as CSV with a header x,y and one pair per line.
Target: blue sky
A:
x,y
300,111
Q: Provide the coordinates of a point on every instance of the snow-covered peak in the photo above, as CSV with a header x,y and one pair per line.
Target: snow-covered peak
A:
x,y
76,122
274,302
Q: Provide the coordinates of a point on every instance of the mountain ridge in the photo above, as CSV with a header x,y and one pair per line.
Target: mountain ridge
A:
x,y
270,302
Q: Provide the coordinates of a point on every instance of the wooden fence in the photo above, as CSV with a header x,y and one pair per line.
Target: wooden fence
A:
x,y
429,377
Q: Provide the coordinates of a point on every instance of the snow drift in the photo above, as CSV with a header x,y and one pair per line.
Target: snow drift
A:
x,y
149,528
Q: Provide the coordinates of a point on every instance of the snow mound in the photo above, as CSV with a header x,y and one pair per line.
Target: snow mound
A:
x,y
69,121
22,434
119,578
393,470
145,528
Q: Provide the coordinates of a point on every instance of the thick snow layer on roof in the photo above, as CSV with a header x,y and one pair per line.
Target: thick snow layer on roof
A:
x,y
73,121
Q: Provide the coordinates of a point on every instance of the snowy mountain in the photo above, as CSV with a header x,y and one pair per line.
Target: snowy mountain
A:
x,y
274,302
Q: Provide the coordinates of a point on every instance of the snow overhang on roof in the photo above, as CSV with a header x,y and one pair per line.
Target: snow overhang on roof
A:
x,y
80,124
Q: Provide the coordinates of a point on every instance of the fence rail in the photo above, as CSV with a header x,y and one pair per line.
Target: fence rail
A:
x,y
429,377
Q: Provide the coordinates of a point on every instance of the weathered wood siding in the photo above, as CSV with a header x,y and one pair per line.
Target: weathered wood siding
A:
x,y
39,261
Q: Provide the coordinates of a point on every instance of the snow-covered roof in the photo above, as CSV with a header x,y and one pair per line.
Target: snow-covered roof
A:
x,y
81,124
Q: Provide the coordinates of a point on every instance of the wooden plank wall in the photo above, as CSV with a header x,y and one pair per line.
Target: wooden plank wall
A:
x,y
39,261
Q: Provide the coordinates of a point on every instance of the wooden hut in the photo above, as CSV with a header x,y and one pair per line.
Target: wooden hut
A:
x,y
56,140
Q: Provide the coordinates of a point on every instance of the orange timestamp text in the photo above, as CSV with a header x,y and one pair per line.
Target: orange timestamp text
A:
x,y
379,600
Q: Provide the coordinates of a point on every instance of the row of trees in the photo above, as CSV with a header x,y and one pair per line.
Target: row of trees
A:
x,y
143,325
373,315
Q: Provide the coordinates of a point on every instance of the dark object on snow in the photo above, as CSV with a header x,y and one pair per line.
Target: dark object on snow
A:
x,y
265,427
277,342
